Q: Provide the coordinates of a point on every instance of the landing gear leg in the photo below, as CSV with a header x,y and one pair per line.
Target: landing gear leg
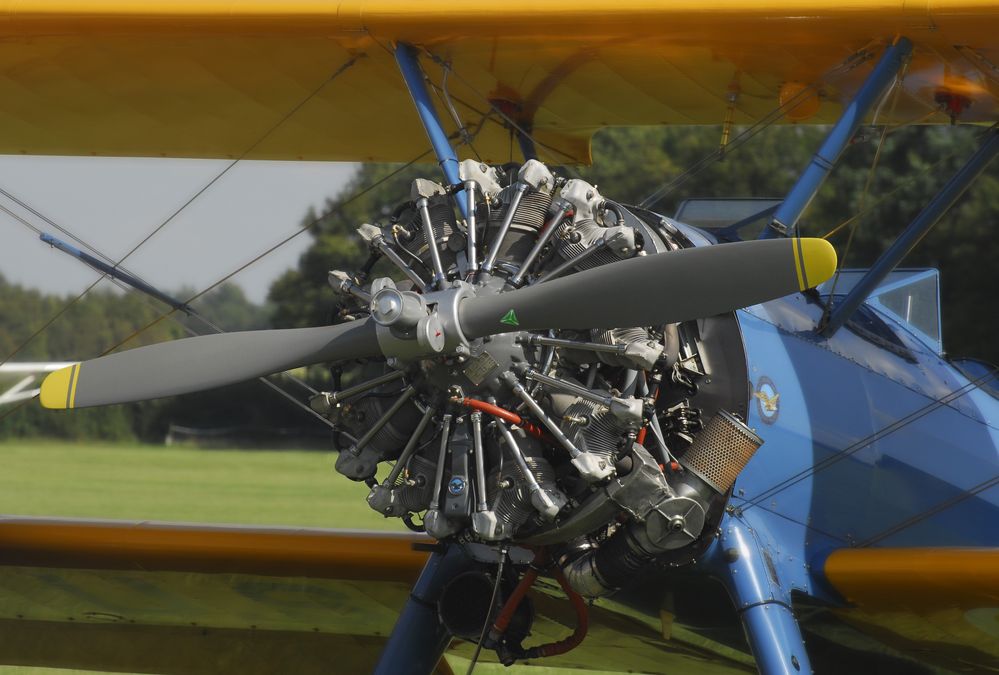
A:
x,y
763,603
418,639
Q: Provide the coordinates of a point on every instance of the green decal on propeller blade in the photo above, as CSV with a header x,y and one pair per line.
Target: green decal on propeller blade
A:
x,y
510,319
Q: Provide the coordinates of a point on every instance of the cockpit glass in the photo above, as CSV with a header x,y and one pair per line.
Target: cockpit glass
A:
x,y
910,295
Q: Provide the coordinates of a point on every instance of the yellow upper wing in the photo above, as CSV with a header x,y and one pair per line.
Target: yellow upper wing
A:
x,y
207,78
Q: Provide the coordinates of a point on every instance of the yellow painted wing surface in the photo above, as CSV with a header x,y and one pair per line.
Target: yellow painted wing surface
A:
x,y
940,603
206,78
170,598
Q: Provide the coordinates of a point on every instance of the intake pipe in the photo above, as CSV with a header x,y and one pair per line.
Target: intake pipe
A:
x,y
711,465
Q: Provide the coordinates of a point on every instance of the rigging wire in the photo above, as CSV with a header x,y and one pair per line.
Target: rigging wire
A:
x,y
932,511
494,108
326,214
853,61
807,525
190,311
489,613
336,73
64,230
891,193
881,433
339,206
508,123
263,379
194,314
897,89
315,92
902,184
445,96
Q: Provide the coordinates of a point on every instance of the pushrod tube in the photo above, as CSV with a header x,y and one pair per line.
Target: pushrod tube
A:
x,y
471,249
383,420
511,210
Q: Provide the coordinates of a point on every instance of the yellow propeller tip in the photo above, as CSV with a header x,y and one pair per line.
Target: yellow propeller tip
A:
x,y
59,388
815,260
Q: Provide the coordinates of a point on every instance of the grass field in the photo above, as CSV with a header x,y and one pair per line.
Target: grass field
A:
x,y
178,484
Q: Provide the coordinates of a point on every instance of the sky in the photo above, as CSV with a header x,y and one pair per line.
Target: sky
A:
x,y
113,203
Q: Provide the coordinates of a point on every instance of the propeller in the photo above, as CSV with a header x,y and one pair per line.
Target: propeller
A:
x,y
648,290
658,289
203,362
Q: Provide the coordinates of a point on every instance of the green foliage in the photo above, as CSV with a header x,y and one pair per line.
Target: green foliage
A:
x,y
632,163
629,165
228,307
98,323
302,297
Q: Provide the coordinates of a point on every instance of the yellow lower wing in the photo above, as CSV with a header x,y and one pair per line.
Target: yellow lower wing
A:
x,y
947,598
191,599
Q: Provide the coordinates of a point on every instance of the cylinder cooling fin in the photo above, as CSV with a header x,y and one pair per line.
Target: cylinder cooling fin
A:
x,y
606,448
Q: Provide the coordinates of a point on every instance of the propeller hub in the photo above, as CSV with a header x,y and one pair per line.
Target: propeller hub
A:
x,y
401,309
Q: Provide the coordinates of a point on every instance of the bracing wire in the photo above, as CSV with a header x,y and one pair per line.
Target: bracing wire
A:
x,y
902,184
191,311
932,511
489,613
853,448
897,88
507,122
267,134
215,327
853,61
336,209
493,108
263,380
885,197
312,94
332,211
445,96
64,230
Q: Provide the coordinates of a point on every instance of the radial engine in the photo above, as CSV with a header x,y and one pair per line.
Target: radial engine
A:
x,y
611,450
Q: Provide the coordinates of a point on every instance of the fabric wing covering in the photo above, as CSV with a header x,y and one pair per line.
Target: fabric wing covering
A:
x,y
253,79
148,597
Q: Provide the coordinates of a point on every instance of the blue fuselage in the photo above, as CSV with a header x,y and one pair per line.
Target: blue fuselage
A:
x,y
874,440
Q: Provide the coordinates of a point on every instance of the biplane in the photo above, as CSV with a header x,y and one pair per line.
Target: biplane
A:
x,y
698,452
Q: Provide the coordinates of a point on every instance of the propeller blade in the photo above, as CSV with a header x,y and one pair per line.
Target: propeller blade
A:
x,y
203,362
657,289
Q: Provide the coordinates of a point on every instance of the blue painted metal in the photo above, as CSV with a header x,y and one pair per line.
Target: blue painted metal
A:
x,y
859,444
419,639
801,195
906,241
526,143
747,565
409,64
865,439
114,272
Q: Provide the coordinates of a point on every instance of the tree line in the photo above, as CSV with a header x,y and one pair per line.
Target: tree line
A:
x,y
885,177
101,321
